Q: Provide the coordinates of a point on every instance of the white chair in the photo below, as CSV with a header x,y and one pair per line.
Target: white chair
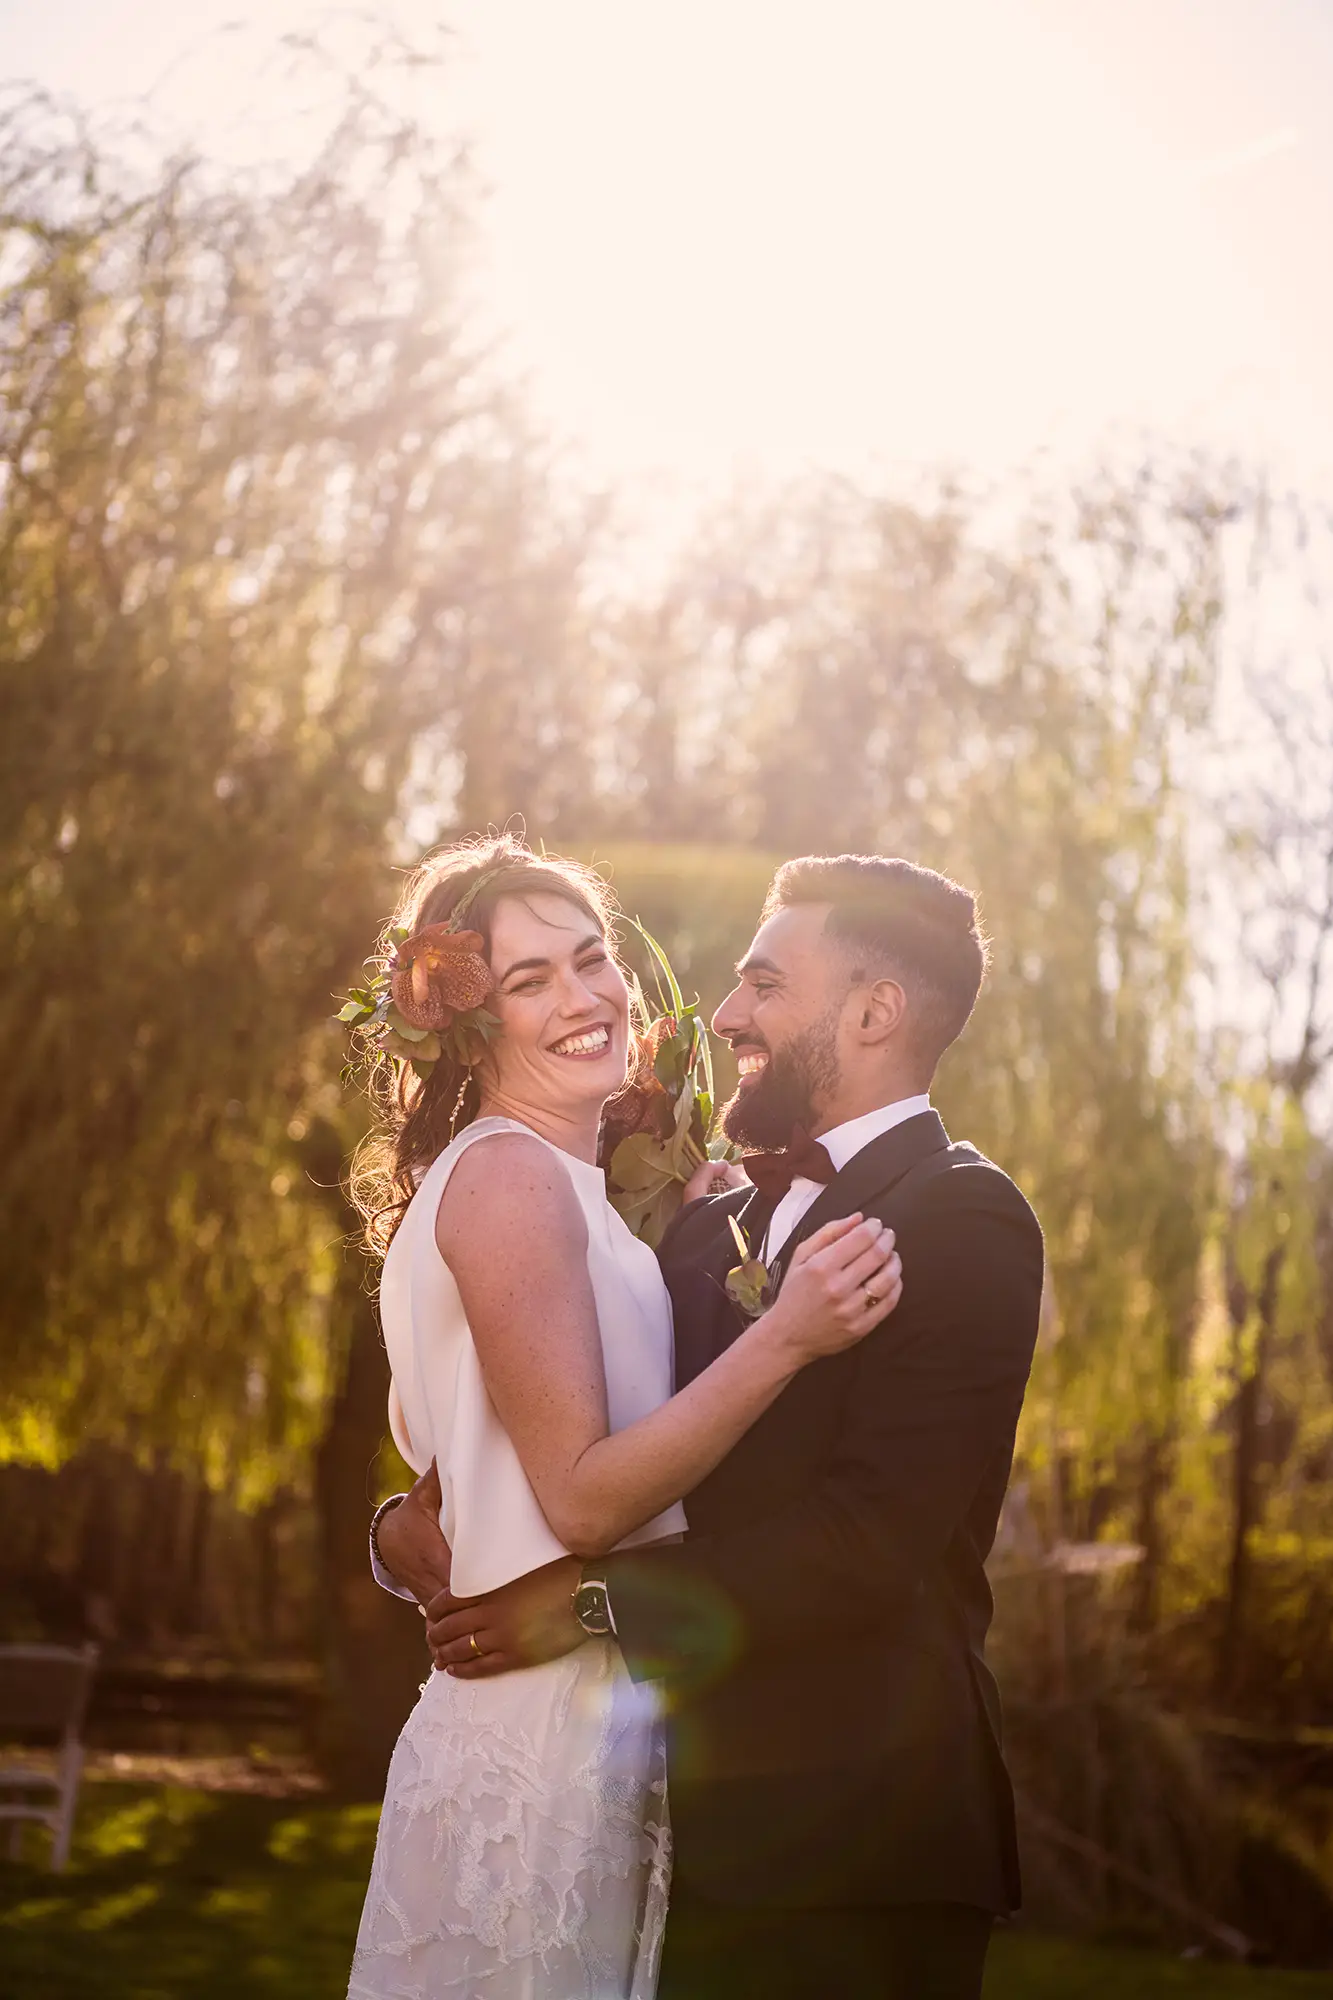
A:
x,y
43,1695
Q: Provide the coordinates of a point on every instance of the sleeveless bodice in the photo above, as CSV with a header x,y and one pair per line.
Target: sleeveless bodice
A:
x,y
490,1515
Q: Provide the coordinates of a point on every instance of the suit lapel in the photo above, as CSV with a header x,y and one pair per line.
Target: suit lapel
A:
x,y
867,1177
754,1217
705,1319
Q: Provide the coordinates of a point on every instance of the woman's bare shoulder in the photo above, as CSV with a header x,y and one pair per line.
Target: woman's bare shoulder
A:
x,y
511,1182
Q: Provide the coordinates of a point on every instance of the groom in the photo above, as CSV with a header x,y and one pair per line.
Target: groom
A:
x,y
843,1819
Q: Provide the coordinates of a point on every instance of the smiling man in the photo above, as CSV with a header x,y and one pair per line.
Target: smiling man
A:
x,y
843,1820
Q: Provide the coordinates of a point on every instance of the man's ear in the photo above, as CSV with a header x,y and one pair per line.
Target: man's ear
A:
x,y
883,1012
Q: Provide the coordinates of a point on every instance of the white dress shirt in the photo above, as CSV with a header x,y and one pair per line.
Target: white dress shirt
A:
x,y
842,1144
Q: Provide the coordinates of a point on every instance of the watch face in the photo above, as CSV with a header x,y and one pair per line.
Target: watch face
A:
x,y
591,1609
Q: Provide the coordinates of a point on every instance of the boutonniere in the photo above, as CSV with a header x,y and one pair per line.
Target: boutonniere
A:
x,y
748,1285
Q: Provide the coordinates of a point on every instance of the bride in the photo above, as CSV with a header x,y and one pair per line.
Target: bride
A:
x,y
523,1848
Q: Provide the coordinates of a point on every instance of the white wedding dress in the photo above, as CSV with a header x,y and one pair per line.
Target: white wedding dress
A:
x,y
523,1849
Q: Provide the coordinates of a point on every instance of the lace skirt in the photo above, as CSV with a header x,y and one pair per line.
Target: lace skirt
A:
x,y
523,1849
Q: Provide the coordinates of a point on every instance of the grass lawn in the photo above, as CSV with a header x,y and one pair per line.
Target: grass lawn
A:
x,y
178,1894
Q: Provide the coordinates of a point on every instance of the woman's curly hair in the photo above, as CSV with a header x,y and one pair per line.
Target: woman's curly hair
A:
x,y
415,1116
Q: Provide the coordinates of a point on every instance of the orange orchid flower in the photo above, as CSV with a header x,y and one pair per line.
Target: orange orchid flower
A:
x,y
437,974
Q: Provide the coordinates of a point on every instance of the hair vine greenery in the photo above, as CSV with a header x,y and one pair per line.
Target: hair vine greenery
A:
x,y
430,989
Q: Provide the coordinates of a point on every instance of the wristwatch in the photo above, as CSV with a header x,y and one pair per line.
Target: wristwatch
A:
x,y
592,1603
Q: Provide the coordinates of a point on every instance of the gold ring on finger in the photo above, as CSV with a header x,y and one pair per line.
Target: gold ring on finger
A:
x,y
472,1641
871,1298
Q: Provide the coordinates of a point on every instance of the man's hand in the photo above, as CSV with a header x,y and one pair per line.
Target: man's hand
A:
x,y
410,1543
520,1625
714,1177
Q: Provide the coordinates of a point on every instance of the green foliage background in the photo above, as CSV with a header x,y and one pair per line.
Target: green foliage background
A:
x,y
292,589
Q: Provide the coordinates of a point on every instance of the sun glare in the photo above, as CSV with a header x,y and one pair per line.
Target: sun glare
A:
x,y
757,236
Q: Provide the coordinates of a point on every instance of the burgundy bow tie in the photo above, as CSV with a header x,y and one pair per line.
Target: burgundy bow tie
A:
x,y
805,1159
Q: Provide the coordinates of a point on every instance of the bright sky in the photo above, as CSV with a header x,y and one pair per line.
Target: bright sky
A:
x,y
760,234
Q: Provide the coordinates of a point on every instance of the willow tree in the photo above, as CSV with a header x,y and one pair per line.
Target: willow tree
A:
x,y
1277,858
278,555
1015,693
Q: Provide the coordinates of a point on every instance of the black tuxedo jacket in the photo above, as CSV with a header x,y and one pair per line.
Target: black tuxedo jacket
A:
x,y
834,1733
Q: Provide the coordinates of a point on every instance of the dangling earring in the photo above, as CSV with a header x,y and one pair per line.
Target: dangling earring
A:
x,y
458,1103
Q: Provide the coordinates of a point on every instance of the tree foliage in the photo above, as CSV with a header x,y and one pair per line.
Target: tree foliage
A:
x,y
291,588
267,527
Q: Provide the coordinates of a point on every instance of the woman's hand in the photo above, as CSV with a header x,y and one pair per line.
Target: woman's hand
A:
x,y
714,1177
522,1624
843,1281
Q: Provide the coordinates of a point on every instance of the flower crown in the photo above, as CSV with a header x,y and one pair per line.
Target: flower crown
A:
x,y
429,994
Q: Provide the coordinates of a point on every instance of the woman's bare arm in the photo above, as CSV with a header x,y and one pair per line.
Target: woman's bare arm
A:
x,y
512,1232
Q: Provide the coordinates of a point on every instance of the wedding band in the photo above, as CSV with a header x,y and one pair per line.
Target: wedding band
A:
x,y
472,1641
870,1297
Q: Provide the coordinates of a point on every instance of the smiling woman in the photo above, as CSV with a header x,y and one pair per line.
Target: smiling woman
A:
x,y
543,906
561,999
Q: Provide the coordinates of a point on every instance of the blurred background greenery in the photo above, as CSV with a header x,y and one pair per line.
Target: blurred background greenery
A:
x,y
293,588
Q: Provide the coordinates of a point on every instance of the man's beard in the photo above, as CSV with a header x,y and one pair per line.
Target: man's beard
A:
x,y
762,1115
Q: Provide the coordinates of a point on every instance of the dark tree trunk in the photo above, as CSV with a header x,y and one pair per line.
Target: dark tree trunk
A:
x,y
194,1605
147,1605
1157,1474
374,1649
268,1574
101,1533
1247,1463
1154,1484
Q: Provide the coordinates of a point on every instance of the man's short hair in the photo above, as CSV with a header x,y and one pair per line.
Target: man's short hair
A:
x,y
897,921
